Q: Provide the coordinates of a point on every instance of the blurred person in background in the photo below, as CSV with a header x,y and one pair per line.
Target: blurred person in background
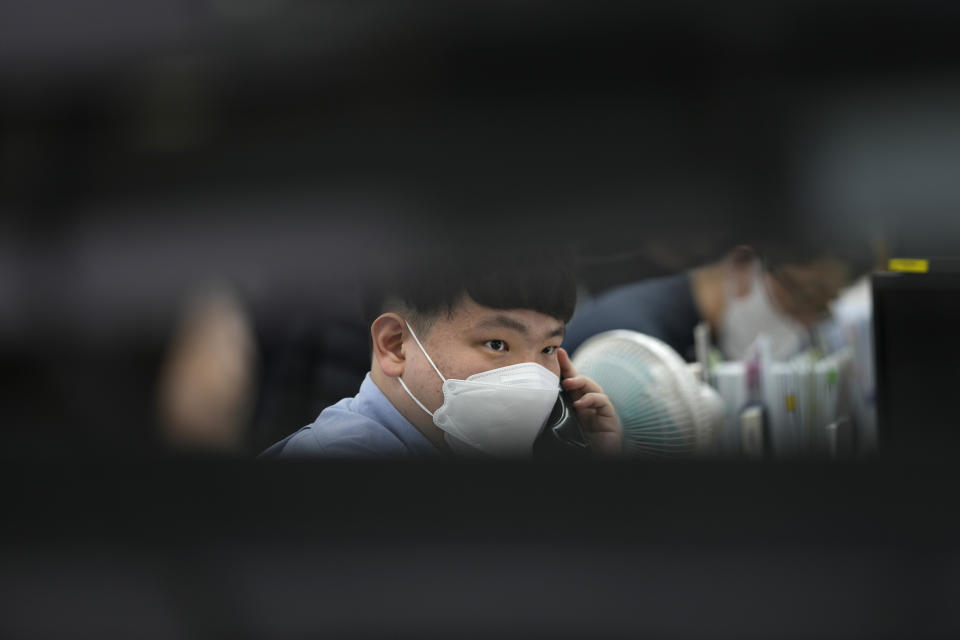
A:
x,y
237,370
738,296
207,382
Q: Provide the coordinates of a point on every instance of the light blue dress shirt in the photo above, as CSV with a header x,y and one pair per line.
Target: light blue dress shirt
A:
x,y
364,426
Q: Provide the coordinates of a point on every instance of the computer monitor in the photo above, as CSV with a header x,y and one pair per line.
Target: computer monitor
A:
x,y
917,343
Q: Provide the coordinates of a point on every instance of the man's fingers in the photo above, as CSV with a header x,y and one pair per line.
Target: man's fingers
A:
x,y
599,402
567,370
581,383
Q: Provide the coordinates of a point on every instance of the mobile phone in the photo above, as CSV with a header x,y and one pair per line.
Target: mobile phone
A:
x,y
562,436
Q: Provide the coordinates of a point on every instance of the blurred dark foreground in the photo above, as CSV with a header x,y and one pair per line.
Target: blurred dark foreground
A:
x,y
195,547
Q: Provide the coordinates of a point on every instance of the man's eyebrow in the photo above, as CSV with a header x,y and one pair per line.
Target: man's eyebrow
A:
x,y
506,322
503,322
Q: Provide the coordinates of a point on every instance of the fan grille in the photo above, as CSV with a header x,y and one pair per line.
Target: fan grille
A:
x,y
646,392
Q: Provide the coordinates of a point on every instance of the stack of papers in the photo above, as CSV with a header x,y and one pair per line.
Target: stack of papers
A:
x,y
730,381
806,404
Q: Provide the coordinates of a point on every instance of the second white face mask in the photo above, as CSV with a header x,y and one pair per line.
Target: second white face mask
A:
x,y
499,412
749,316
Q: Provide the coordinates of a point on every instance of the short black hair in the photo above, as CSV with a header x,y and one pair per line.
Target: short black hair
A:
x,y
427,281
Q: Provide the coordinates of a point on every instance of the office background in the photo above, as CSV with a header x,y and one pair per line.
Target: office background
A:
x,y
279,152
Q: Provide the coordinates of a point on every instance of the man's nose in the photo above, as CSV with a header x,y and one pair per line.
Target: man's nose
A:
x,y
525,355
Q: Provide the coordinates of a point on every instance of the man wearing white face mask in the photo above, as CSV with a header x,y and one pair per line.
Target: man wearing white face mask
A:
x,y
758,303
736,296
466,360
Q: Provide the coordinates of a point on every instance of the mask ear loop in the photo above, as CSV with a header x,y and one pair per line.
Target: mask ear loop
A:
x,y
430,360
733,265
414,398
810,330
766,269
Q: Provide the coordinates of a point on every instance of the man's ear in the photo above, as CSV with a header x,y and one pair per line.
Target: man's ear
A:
x,y
741,262
387,334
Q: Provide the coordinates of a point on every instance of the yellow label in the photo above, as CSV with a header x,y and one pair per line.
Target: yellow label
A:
x,y
908,265
791,403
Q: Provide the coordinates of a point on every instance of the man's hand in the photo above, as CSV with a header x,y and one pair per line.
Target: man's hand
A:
x,y
594,409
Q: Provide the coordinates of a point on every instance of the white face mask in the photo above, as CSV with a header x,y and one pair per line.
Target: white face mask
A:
x,y
498,412
747,317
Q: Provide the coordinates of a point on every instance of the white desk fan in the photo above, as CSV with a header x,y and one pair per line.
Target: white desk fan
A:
x,y
665,410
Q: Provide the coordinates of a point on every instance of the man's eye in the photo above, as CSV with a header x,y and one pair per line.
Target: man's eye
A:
x,y
497,345
549,350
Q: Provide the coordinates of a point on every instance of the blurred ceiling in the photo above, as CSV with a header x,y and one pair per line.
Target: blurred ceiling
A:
x,y
260,139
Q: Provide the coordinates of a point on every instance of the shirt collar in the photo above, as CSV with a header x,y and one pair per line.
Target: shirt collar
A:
x,y
371,402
